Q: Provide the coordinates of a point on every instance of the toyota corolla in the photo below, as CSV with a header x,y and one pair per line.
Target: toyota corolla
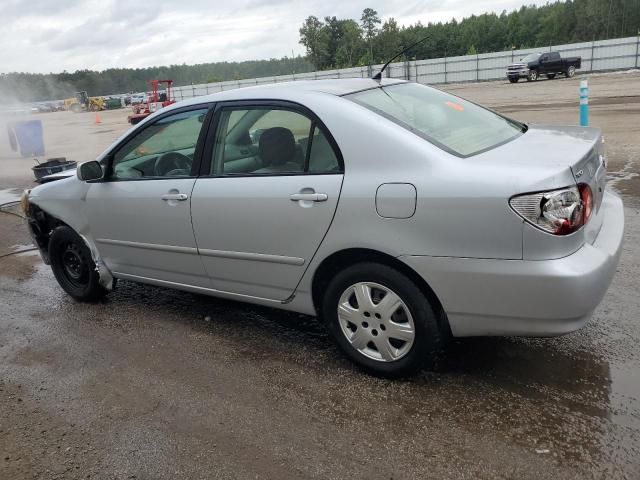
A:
x,y
398,214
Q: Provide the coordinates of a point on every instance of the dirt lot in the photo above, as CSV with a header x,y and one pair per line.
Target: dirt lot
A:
x,y
160,384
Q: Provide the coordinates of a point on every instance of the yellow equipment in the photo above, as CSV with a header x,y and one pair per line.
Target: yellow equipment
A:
x,y
81,102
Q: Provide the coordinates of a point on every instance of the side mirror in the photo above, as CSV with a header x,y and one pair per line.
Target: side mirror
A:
x,y
90,171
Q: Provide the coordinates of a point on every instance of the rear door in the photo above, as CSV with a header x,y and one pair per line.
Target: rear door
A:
x,y
266,197
554,64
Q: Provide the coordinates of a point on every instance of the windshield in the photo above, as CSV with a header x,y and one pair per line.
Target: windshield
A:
x,y
532,57
451,123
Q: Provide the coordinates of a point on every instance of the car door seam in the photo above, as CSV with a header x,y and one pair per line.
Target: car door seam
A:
x,y
335,211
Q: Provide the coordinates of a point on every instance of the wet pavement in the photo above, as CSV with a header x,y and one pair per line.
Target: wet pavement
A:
x,y
153,383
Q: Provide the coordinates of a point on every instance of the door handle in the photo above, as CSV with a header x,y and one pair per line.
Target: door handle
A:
x,y
309,197
174,196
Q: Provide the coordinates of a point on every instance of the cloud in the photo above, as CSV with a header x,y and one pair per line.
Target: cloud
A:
x,y
10,9
51,36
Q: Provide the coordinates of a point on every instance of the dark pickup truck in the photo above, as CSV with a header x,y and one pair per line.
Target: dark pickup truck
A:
x,y
549,64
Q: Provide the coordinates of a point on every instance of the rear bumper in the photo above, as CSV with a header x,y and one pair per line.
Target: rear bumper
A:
x,y
529,298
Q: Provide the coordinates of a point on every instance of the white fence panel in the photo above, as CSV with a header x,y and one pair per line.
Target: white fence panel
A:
x,y
603,55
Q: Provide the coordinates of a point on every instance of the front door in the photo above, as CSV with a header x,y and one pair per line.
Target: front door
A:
x,y
139,215
272,189
543,66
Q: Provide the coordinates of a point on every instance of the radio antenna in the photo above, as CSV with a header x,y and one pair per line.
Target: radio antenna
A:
x,y
378,76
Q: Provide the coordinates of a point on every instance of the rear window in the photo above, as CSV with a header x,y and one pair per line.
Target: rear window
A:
x,y
451,123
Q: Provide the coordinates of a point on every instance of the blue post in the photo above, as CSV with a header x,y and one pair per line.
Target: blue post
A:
x,y
584,103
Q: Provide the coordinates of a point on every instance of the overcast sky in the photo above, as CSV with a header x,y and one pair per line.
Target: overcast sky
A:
x,y
57,35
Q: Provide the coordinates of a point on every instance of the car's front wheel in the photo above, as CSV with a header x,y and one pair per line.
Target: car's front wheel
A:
x,y
73,265
382,321
533,76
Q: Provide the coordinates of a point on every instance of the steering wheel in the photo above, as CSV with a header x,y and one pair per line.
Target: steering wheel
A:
x,y
170,161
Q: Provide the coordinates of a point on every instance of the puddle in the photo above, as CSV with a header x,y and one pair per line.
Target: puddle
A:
x,y
9,195
626,181
20,266
625,396
18,249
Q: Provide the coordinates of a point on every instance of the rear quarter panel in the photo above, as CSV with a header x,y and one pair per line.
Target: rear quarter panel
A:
x,y
462,207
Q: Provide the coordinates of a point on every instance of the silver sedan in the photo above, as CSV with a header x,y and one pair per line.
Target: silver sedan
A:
x,y
399,214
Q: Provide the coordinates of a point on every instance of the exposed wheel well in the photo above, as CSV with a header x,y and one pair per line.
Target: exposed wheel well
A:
x,y
42,224
345,258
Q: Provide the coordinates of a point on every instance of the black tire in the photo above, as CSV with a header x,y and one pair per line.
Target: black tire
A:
x,y
430,335
514,79
551,76
73,265
571,71
533,76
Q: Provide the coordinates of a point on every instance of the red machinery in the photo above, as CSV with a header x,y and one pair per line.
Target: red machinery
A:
x,y
155,102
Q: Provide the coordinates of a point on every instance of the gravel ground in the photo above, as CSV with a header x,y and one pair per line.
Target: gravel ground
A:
x,y
159,384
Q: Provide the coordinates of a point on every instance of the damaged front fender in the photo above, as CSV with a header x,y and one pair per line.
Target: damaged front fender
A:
x,y
106,279
62,203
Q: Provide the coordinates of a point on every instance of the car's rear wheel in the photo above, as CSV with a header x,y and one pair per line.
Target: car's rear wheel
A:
x,y
533,75
73,265
382,321
571,71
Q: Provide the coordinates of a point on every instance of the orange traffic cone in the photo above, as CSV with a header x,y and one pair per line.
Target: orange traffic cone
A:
x,y
97,118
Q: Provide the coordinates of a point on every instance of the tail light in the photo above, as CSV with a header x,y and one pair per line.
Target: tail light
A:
x,y
559,212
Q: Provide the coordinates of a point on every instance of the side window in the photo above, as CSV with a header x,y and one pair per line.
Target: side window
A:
x,y
163,149
322,158
265,141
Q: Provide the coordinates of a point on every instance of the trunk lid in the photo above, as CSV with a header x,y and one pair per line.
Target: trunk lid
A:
x,y
556,157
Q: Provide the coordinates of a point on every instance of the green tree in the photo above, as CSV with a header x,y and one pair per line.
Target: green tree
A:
x,y
351,44
313,36
369,22
388,41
